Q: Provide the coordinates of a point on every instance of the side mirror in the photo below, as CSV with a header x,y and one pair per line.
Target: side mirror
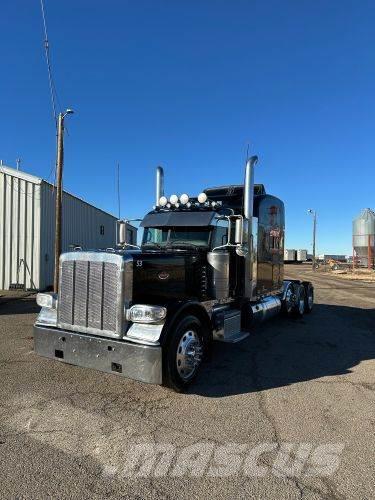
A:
x,y
121,236
121,233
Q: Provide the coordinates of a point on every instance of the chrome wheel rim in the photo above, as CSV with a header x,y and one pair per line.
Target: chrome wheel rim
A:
x,y
189,354
289,299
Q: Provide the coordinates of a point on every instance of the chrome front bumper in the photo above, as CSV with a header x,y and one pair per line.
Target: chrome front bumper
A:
x,y
135,361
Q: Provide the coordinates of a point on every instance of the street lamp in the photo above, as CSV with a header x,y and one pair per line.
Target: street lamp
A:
x,y
58,208
67,112
313,213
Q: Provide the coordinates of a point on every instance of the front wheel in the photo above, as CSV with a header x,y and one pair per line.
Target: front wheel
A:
x,y
183,353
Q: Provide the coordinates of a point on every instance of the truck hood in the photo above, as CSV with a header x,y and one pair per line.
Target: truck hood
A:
x,y
161,276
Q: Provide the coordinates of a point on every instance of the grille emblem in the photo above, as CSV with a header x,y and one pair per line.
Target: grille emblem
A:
x,y
163,275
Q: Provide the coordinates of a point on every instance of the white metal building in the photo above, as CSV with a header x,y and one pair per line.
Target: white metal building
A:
x,y
27,226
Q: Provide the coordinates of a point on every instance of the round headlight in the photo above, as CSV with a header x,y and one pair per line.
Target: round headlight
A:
x,y
184,198
173,199
163,201
202,198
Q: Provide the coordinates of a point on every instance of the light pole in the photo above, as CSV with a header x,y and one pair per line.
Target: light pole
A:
x,y
58,207
313,213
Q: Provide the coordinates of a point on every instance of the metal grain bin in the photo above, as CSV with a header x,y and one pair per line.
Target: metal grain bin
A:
x,y
364,234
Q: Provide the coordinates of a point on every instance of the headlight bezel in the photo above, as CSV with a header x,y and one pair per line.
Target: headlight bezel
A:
x,y
144,313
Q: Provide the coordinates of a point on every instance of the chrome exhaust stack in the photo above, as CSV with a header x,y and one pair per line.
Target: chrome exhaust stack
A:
x,y
248,239
248,197
159,185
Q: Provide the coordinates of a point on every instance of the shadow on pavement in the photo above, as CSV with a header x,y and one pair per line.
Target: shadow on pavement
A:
x,y
26,305
330,341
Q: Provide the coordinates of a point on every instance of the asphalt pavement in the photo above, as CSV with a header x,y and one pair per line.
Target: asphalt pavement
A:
x,y
288,413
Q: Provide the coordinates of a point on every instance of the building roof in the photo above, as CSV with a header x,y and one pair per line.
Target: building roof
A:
x,y
20,175
38,181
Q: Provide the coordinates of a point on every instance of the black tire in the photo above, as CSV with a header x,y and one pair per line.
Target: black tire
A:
x,y
309,297
173,376
299,302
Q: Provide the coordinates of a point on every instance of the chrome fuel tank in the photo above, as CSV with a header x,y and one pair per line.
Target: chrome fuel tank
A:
x,y
264,309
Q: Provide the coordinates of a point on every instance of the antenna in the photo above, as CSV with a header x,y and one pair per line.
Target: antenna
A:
x,y
18,162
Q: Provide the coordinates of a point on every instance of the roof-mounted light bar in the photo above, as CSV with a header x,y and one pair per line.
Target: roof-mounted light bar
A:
x,y
184,201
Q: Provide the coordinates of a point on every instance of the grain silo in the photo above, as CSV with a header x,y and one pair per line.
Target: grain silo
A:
x,y
364,238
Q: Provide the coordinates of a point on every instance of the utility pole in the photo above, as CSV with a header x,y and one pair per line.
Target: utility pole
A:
x,y
58,206
313,213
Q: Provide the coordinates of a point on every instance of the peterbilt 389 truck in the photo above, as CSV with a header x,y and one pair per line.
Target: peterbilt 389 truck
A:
x,y
208,269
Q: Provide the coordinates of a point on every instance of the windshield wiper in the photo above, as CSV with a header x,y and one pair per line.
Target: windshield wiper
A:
x,y
182,242
153,244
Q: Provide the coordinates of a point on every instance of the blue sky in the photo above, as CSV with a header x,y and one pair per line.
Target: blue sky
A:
x,y
187,84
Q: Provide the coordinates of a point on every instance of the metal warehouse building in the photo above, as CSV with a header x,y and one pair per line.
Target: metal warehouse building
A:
x,y
27,226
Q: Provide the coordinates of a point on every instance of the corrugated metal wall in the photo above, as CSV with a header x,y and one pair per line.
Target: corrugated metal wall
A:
x,y
82,225
27,229
19,230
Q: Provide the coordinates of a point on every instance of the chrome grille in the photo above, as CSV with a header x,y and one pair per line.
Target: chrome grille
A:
x,y
90,296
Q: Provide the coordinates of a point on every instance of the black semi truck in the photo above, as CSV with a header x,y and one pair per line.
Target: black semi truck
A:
x,y
209,268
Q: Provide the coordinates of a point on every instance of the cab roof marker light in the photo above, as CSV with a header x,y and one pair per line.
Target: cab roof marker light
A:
x,y
173,199
163,201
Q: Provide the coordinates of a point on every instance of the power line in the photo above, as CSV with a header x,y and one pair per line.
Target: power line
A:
x,y
51,82
52,86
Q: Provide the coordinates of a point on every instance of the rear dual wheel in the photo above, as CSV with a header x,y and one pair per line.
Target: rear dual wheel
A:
x,y
299,299
309,296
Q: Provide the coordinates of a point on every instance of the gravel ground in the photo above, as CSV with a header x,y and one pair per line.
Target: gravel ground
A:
x,y
292,387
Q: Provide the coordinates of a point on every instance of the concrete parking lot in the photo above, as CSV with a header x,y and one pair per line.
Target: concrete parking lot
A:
x,y
293,385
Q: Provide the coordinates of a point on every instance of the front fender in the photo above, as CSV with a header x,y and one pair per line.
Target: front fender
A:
x,y
178,309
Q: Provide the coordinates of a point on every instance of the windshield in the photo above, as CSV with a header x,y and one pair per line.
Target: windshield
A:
x,y
174,236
